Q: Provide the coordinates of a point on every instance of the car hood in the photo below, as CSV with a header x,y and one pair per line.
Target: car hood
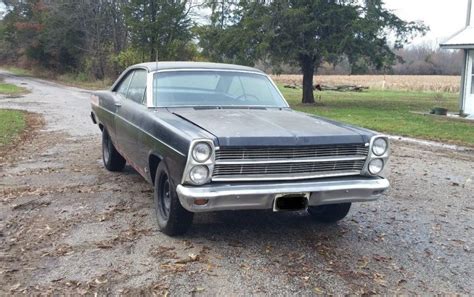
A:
x,y
269,127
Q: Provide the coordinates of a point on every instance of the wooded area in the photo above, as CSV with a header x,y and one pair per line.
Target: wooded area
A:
x,y
98,39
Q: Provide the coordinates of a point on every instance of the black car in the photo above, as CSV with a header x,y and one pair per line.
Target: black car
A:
x,y
213,137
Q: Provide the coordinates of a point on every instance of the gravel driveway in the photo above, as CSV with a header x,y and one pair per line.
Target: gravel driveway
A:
x,y
67,226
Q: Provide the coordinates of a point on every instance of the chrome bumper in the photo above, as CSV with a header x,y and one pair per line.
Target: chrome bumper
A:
x,y
239,196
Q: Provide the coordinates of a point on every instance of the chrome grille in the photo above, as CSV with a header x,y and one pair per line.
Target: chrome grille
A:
x,y
281,163
291,152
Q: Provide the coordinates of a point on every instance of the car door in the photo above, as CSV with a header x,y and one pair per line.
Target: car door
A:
x,y
129,114
119,94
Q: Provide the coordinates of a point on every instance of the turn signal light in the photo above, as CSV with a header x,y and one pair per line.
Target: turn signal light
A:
x,y
201,201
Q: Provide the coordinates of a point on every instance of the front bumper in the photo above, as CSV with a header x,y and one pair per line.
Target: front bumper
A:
x,y
239,196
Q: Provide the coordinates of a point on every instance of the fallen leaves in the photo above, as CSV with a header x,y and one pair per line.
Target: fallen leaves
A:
x,y
379,278
163,252
101,281
60,250
30,205
401,282
318,291
129,235
363,263
197,290
189,259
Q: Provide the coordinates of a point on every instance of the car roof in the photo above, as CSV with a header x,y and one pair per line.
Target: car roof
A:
x,y
156,66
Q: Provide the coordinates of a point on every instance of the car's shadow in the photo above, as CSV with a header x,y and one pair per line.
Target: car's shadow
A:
x,y
234,224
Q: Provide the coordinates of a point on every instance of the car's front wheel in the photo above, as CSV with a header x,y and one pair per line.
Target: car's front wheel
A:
x,y
113,161
173,219
329,213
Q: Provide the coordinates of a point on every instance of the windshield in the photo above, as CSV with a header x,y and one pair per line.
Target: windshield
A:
x,y
214,88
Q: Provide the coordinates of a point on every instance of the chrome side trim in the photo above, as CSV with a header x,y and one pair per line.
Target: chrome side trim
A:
x,y
211,70
147,133
238,196
277,177
296,160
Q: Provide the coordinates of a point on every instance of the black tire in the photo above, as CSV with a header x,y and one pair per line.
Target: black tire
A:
x,y
330,213
113,161
172,218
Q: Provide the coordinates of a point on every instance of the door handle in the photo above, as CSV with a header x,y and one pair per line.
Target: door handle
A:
x,y
118,104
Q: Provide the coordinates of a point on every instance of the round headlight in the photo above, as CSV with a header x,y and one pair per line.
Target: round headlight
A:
x,y
201,152
376,166
199,174
380,146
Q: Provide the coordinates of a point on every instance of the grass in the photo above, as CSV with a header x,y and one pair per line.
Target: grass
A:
x,y
80,81
390,112
10,90
12,123
18,71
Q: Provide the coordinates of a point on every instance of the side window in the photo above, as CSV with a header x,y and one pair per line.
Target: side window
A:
x,y
136,90
123,87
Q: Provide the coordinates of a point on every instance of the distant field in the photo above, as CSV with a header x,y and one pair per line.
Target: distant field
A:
x,y
426,83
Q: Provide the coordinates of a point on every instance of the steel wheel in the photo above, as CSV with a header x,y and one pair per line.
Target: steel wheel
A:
x,y
164,196
172,218
106,150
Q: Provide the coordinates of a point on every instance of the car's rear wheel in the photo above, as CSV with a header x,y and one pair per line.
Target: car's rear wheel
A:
x,y
113,161
329,213
172,218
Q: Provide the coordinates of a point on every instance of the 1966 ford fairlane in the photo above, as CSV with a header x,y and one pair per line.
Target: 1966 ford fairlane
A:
x,y
212,137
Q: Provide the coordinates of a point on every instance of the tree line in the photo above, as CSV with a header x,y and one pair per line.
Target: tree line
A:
x,y
421,59
100,38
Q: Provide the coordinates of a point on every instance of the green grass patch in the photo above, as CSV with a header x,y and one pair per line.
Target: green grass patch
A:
x,y
390,112
12,123
80,80
18,71
10,89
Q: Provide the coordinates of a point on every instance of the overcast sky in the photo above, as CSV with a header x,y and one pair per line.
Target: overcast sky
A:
x,y
444,17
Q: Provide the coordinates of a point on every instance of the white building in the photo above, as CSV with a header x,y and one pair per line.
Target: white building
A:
x,y
464,40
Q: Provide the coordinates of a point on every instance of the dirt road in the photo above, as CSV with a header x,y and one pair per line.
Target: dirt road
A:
x,y
69,226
